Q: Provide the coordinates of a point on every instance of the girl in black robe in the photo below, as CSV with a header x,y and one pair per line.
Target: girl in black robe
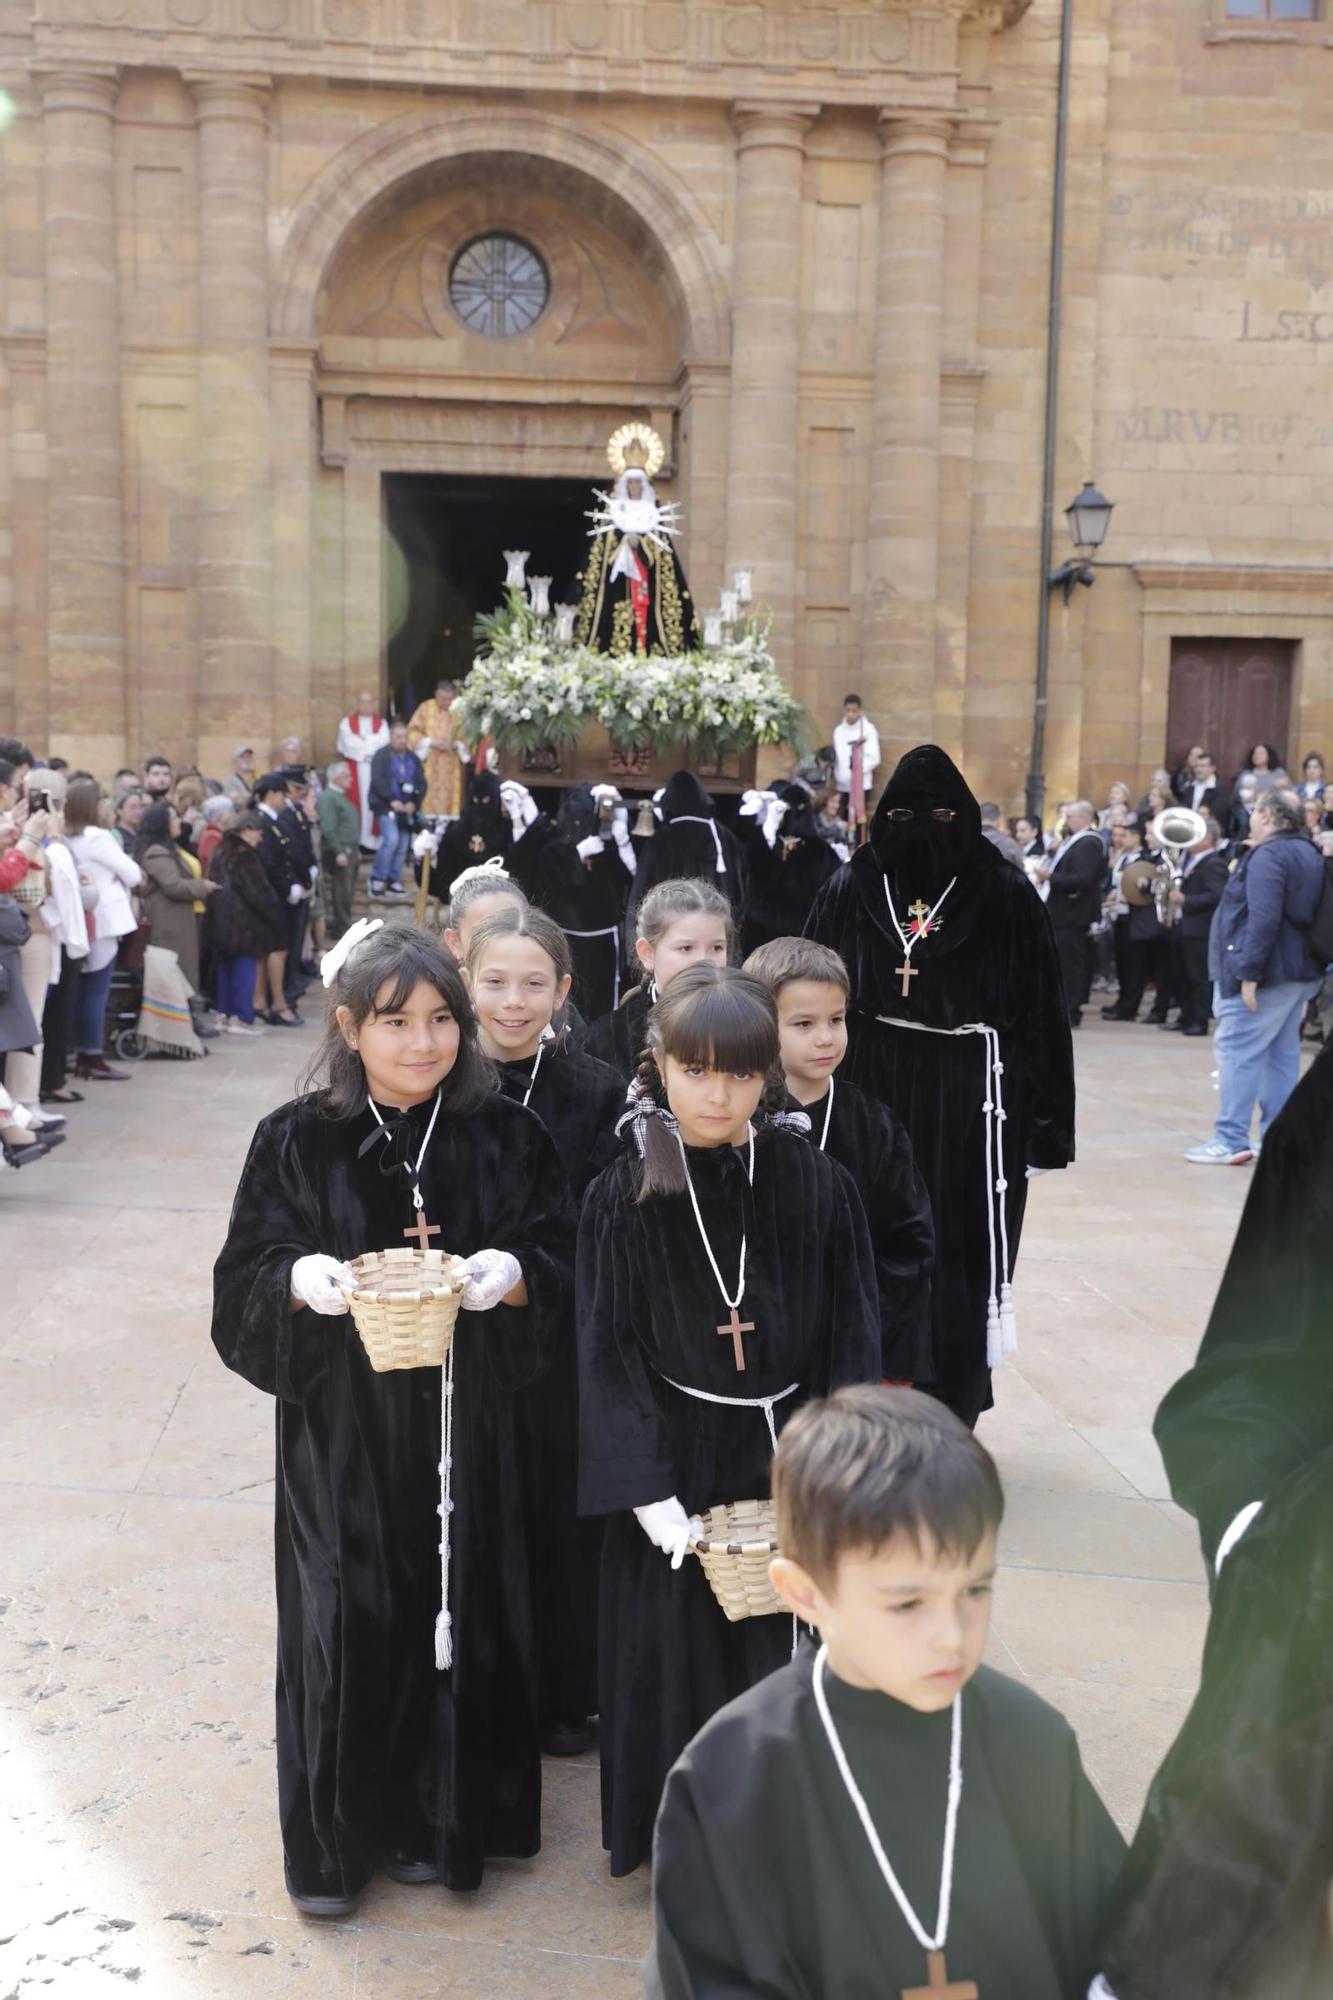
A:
x,y
384,1761
688,841
788,862
660,1439
518,971
982,955
679,924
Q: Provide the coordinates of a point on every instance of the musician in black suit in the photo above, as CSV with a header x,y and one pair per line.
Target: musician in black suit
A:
x,y
1204,871
1136,926
1073,879
1204,791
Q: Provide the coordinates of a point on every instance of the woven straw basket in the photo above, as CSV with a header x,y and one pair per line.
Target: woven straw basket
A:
x,y
739,1541
405,1303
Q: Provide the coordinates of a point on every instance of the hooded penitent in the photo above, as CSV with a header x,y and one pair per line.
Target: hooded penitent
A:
x,y
586,894
1227,1886
987,960
480,832
786,877
687,840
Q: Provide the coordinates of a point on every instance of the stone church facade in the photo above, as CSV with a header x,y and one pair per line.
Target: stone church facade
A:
x,y
809,243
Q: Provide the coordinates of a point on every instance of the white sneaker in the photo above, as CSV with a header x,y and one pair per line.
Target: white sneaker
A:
x,y
242,1028
1215,1154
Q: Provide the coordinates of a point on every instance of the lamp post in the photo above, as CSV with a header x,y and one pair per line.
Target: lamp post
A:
x,y
1089,518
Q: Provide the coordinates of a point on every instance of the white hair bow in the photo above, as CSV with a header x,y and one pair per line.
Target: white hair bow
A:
x,y
336,957
490,871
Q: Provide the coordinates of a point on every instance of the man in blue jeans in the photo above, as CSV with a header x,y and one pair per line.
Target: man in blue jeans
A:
x,y
1263,974
397,787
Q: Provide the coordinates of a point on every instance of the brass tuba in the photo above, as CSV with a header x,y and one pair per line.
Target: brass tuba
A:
x,y
1176,829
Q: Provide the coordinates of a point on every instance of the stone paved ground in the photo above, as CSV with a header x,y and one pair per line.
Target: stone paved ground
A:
x,y
138,1841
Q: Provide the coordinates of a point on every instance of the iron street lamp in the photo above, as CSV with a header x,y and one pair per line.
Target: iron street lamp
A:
x,y
1089,518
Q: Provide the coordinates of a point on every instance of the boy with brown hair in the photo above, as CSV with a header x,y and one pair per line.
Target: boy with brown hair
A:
x,y
885,1816
809,982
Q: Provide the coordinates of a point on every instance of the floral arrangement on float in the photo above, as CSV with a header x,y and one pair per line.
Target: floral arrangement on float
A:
x,y
631,656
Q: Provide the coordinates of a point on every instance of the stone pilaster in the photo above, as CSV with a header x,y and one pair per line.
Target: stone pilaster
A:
x,y
902,537
85,493
762,455
235,594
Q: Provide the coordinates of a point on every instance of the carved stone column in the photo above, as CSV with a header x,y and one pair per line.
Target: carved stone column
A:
x,y
902,538
235,574
762,456
85,535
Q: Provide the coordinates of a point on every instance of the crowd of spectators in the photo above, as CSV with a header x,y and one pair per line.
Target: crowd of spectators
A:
x,y
155,915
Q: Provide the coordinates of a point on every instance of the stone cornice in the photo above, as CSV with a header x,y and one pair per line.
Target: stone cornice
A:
x,y
1285,577
904,52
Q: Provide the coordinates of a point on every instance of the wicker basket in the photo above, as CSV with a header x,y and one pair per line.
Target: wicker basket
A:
x,y
405,1303
739,1541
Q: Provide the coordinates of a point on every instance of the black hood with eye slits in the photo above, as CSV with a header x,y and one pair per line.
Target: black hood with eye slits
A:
x,y
922,855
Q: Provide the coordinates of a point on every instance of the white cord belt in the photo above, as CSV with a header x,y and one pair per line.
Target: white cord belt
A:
x,y
1001,1322
764,1403
612,931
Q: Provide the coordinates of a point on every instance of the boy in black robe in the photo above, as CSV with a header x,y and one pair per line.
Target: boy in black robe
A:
x,y
765,1881
944,940
383,1760
1227,1889
809,983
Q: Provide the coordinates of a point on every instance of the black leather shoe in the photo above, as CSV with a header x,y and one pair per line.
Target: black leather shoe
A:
x,y
402,1868
325,1907
24,1156
1114,1014
567,1739
1197,1028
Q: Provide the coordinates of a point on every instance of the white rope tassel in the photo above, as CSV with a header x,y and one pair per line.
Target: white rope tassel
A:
x,y
1008,1317
444,1624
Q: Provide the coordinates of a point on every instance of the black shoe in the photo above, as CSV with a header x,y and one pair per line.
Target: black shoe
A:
x,y
1195,1028
24,1156
1114,1014
325,1908
402,1868
1153,1021
567,1739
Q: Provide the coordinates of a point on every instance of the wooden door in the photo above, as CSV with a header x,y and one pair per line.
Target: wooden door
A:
x,y
1228,694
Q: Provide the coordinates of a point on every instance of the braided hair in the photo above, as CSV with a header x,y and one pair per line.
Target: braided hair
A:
x,y
716,1017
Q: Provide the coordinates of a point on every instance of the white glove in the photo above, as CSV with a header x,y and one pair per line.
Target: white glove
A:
x,y
592,845
318,1282
296,894
314,871
601,792
490,1274
427,842
753,803
518,802
774,813
668,1527
620,823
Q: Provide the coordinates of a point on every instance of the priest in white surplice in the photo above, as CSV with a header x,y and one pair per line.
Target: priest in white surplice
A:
x,y
360,735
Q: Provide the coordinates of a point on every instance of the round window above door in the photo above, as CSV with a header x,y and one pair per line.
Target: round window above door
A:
x,y
498,286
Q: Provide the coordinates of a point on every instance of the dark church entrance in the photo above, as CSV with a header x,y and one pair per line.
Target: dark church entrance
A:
x,y
445,563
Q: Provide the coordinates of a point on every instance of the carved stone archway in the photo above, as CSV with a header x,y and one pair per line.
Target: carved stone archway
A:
x,y
368,171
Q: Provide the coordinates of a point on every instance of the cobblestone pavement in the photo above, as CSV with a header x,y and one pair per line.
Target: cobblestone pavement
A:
x,y
139,1839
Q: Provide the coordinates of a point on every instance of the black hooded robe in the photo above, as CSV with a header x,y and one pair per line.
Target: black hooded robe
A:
x,y
785,879
578,1101
688,840
586,898
1227,1887
377,1751
480,832
863,1135
764,1882
648,1308
991,960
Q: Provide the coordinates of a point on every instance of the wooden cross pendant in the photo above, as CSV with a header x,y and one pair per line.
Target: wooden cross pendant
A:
x,y
422,1229
906,972
940,1987
736,1326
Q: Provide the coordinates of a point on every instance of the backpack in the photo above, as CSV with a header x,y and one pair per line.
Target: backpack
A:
x,y
1319,930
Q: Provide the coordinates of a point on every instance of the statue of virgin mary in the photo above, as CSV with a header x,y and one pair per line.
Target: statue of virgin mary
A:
x,y
635,598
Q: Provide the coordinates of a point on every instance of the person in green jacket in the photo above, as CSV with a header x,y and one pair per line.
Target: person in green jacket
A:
x,y
339,845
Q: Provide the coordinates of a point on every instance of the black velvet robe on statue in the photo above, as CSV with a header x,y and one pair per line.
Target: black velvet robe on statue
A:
x,y
993,960
618,1039
1227,1887
680,846
578,1101
764,1882
866,1138
785,879
648,1309
377,1751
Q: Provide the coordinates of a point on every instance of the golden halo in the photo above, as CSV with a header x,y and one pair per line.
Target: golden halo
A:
x,y
648,457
